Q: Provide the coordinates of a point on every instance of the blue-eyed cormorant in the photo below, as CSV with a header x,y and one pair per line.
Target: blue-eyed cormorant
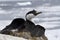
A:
x,y
20,23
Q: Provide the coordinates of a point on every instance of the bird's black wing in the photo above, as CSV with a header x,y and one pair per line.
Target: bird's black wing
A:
x,y
39,30
17,23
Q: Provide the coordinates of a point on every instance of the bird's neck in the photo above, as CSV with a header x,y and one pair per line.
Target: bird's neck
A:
x,y
29,17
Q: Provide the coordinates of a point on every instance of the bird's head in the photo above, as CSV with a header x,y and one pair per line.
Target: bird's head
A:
x,y
32,14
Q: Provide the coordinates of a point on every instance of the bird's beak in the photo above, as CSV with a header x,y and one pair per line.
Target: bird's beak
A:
x,y
38,13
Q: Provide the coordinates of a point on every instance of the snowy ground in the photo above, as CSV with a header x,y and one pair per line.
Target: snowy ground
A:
x,y
8,37
53,34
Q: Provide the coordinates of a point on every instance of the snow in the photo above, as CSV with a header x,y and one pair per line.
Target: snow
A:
x,y
53,34
7,37
4,23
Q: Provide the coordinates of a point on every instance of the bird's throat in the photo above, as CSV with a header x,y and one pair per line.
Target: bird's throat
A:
x,y
30,16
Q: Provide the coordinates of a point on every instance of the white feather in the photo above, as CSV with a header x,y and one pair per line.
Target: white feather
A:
x,y
30,16
14,30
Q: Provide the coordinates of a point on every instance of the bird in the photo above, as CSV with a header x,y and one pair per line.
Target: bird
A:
x,y
29,24
20,23
25,27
